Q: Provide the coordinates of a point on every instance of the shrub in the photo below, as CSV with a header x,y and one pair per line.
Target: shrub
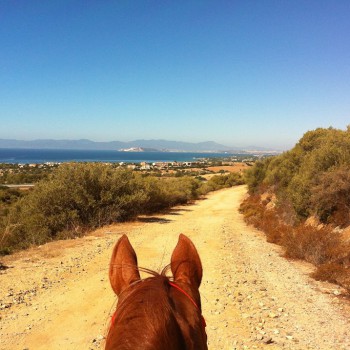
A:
x,y
334,272
312,177
218,182
316,246
256,214
323,247
330,198
255,176
163,193
77,197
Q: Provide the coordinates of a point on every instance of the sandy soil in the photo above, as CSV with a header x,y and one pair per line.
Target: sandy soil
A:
x,y
58,296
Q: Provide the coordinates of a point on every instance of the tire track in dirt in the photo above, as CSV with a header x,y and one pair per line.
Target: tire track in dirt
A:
x,y
251,297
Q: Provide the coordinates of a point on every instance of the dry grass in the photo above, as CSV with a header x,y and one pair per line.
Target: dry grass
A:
x,y
256,214
236,168
317,246
323,247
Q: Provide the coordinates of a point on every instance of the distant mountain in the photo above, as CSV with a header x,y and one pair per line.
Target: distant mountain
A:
x,y
168,146
83,144
142,145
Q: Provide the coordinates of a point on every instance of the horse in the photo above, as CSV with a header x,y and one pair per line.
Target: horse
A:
x,y
158,312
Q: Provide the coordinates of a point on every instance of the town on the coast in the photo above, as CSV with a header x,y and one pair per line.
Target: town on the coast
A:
x,y
17,174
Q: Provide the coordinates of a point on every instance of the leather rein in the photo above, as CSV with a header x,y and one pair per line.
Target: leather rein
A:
x,y
176,286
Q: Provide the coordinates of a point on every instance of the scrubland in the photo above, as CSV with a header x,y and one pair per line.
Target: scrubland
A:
x,y
301,200
252,298
79,197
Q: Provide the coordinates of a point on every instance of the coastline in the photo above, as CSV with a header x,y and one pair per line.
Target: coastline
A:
x,y
41,156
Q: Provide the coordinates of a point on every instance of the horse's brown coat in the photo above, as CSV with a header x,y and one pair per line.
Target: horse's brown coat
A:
x,y
151,314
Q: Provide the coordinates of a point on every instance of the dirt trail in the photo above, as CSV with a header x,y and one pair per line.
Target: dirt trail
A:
x,y
58,296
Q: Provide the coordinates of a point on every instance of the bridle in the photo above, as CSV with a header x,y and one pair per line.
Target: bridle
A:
x,y
176,286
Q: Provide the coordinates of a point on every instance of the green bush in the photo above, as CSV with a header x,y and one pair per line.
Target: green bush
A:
x,y
330,197
255,176
163,193
218,182
77,197
308,175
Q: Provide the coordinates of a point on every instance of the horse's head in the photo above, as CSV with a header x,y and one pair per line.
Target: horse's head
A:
x,y
156,313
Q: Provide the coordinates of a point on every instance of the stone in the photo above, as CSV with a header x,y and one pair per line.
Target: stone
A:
x,y
268,340
259,337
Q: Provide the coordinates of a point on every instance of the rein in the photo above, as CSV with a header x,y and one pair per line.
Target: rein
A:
x,y
204,324
190,298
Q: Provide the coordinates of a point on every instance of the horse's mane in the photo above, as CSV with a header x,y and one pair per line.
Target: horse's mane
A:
x,y
139,302
159,311
153,274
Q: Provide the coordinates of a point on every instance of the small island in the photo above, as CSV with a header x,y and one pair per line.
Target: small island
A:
x,y
138,149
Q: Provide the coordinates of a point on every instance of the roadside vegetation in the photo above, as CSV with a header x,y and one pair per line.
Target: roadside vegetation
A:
x,y
301,200
78,197
25,173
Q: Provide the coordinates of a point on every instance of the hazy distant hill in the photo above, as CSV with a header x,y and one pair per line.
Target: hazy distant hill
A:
x,y
164,145
157,145
146,145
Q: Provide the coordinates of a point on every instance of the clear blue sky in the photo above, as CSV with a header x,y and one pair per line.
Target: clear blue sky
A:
x,y
236,72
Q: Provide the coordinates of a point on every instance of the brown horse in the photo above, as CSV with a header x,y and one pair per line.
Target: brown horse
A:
x,y
157,313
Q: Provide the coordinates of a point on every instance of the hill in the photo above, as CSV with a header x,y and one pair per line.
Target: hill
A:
x,y
147,145
157,145
301,200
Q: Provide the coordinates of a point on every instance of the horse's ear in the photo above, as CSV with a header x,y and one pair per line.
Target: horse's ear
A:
x,y
123,268
186,265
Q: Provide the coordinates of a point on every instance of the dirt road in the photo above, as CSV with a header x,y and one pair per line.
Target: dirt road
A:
x,y
58,296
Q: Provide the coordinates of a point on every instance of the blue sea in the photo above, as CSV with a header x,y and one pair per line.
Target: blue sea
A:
x,y
37,156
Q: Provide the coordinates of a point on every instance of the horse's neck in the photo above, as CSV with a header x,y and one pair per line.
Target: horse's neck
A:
x,y
144,320
153,315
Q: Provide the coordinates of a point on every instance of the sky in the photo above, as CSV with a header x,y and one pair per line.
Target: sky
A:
x,y
237,72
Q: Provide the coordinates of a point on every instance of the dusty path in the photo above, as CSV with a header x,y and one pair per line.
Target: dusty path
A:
x,y
58,296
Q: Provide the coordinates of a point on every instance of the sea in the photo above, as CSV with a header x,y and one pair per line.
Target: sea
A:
x,y
40,156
